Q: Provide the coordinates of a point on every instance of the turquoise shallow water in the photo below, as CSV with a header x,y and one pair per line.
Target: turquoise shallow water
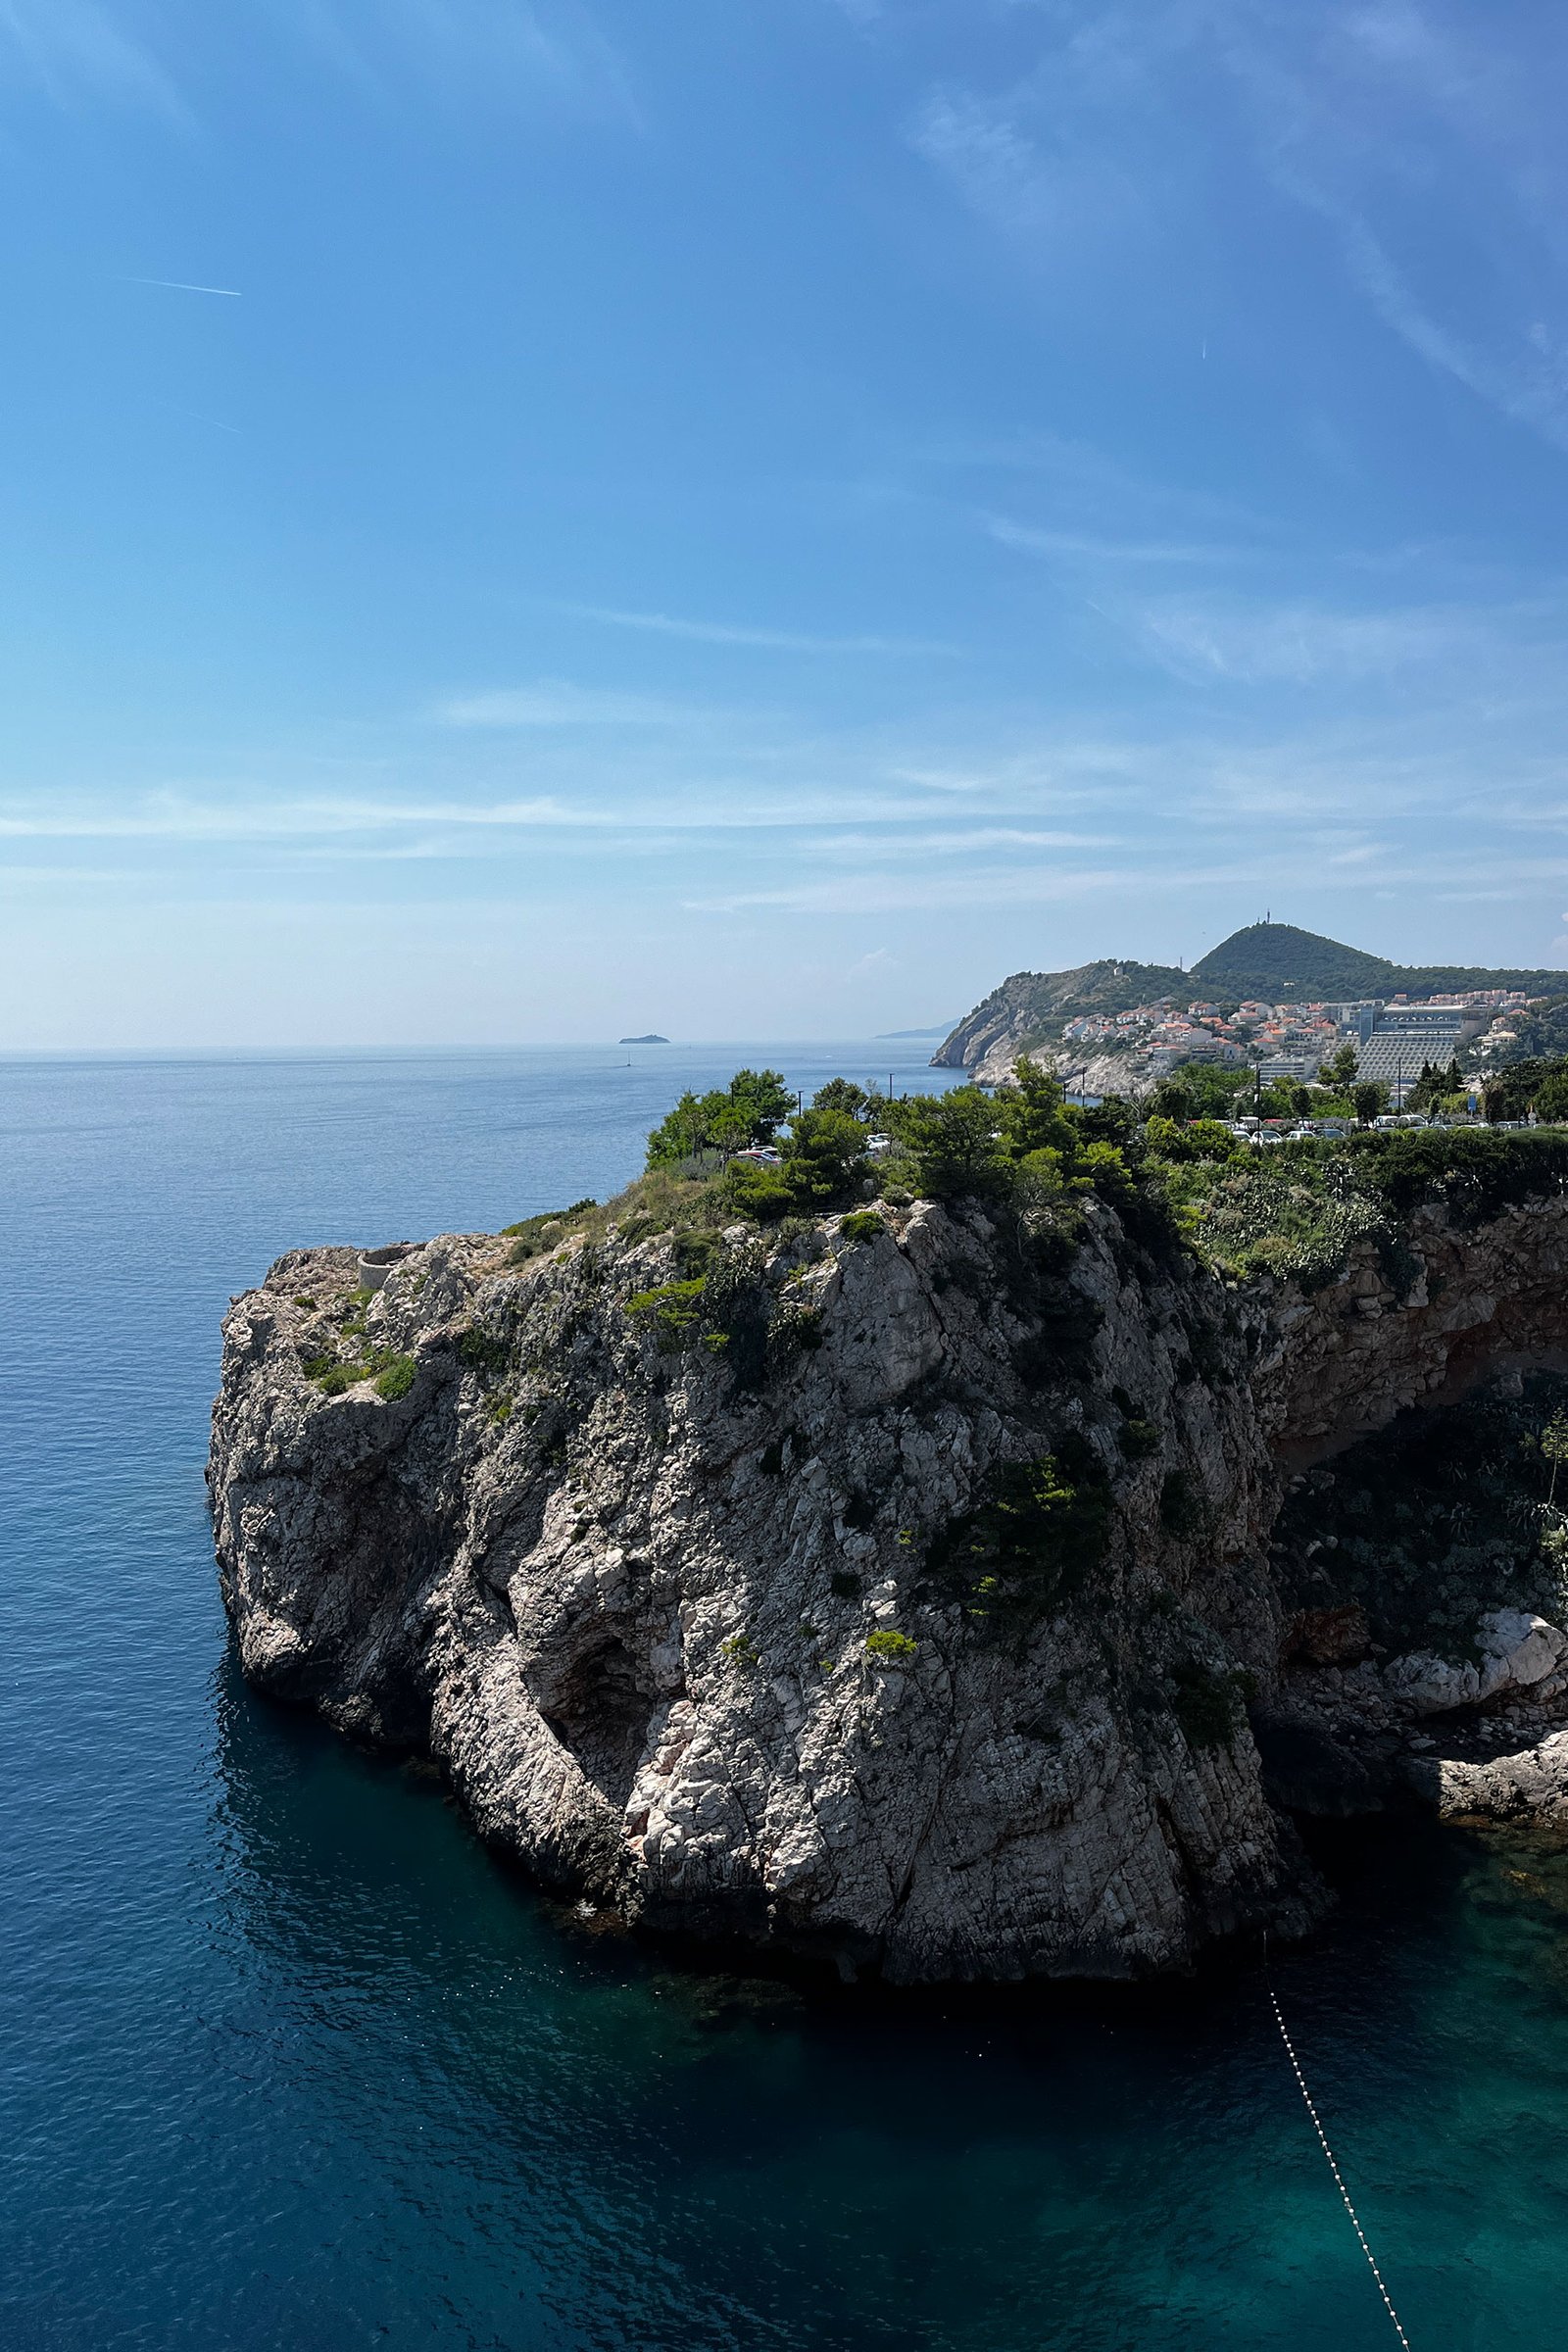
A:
x,y
287,2062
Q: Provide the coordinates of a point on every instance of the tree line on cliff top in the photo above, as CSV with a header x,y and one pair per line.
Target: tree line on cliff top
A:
x,y
1172,1168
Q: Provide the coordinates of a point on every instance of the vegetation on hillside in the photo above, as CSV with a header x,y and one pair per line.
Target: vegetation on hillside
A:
x,y
1174,1168
1036,1004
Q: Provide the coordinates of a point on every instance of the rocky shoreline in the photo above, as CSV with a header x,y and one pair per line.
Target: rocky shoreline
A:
x,y
902,1587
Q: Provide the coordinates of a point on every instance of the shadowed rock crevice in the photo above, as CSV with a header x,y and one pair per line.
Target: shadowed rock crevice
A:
x,y
600,1711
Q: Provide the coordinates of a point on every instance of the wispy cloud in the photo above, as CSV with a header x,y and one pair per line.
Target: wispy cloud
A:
x,y
483,50
177,818
73,51
1271,867
952,842
996,165
888,893
781,641
1304,645
1096,549
552,52
1427,144
1083,478
551,702
172,817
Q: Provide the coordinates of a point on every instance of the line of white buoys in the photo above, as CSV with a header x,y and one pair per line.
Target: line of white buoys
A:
x,y
1339,2182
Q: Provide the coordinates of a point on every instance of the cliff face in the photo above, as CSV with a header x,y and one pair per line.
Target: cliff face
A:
x,y
897,1594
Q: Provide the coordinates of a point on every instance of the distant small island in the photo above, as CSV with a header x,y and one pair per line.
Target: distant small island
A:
x,y
652,1039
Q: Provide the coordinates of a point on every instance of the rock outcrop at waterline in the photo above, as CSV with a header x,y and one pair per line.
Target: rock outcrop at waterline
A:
x,y
899,1588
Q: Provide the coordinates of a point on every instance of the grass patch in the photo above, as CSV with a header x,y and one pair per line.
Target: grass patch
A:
x,y
534,1235
392,1373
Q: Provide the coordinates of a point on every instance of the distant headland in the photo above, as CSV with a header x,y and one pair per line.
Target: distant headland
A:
x,y
1271,993
652,1039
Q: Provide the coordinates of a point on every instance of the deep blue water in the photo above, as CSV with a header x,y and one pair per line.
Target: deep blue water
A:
x,y
288,2062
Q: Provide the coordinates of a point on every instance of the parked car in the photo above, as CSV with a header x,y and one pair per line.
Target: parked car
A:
x,y
762,1155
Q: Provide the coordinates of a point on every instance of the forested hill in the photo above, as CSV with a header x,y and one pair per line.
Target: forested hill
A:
x,y
1272,961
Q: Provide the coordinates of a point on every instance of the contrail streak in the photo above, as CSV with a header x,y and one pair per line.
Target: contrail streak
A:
x,y
177,285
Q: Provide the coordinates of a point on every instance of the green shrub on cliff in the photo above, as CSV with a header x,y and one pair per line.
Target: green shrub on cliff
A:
x,y
1138,1440
673,1311
764,1193
890,1648
1292,1213
1040,1531
482,1351
1299,1209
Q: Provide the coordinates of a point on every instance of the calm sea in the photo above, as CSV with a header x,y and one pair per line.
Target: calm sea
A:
x,y
287,2063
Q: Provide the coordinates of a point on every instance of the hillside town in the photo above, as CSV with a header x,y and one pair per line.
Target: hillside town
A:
x,y
1394,1037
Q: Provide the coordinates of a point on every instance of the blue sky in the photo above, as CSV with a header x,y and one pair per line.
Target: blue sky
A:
x,y
758,520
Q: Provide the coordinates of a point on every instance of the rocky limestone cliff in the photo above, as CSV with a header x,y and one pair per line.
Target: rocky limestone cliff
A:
x,y
894,1591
